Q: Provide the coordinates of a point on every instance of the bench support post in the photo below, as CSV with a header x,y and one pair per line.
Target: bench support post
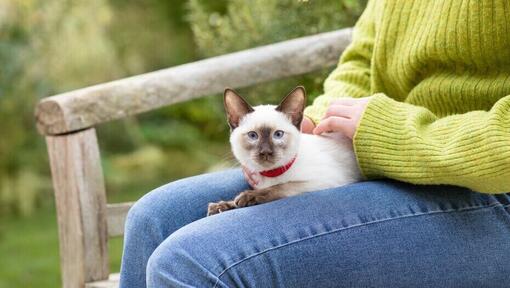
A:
x,y
81,207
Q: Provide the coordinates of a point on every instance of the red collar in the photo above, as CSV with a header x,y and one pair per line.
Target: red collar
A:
x,y
279,170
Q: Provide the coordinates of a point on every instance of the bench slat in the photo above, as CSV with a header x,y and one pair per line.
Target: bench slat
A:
x,y
87,107
116,216
112,282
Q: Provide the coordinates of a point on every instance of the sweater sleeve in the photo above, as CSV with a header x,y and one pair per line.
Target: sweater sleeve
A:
x,y
351,78
409,143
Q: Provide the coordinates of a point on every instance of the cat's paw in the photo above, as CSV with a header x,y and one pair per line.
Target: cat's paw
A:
x,y
218,207
246,198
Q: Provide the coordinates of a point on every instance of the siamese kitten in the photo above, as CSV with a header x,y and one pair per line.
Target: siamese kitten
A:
x,y
266,139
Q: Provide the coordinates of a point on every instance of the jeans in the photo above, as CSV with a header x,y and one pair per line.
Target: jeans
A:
x,y
368,234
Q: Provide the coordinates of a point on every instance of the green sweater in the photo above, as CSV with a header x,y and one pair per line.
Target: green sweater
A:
x,y
440,75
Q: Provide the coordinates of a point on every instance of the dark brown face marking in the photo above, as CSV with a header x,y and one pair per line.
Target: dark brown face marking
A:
x,y
265,150
265,145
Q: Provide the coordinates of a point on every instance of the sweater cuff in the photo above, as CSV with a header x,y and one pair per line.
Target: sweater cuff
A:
x,y
380,135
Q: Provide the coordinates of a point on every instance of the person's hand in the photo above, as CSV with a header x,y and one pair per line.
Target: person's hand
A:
x,y
343,115
253,179
307,125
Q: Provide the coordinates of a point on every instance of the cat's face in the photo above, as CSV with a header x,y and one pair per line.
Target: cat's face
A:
x,y
266,136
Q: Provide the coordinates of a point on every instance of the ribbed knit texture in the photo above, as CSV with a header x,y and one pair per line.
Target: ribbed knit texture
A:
x,y
440,73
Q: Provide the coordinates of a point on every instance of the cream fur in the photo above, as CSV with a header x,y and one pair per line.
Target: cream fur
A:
x,y
322,161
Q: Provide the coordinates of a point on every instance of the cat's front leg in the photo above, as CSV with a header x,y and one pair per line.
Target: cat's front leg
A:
x,y
244,199
218,207
254,197
279,191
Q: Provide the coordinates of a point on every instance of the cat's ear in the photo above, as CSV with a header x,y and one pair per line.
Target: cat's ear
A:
x,y
293,105
235,107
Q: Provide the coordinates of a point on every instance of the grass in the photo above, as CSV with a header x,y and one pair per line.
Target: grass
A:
x,y
29,251
29,245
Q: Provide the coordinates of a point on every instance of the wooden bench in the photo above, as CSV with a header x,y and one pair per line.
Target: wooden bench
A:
x,y
85,220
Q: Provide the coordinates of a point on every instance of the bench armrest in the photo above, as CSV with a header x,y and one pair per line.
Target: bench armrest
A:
x,y
84,108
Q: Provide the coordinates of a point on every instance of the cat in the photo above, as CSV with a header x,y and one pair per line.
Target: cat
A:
x,y
267,139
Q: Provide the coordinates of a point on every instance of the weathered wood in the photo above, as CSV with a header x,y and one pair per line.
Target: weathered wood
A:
x,y
81,207
86,107
112,282
117,217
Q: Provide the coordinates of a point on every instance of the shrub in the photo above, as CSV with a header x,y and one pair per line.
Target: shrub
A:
x,y
240,24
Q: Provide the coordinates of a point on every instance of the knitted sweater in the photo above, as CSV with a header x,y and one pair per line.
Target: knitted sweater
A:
x,y
440,75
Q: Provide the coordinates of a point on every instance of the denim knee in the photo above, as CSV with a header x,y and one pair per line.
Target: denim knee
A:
x,y
175,264
146,218
156,268
159,271
157,213
137,219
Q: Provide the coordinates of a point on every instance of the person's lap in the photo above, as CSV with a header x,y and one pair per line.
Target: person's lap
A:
x,y
369,234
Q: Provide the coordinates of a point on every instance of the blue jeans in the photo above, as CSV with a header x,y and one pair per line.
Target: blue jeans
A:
x,y
369,234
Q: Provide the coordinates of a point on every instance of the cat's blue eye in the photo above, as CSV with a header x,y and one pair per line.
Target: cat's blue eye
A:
x,y
278,134
253,135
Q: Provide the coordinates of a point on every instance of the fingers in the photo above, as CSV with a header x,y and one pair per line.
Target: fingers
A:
x,y
343,115
334,124
338,111
347,101
337,118
307,126
250,177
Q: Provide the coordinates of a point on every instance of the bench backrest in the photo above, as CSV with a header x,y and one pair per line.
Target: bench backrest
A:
x,y
85,220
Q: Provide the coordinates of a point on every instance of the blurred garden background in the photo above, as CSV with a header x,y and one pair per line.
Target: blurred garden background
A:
x,y
51,46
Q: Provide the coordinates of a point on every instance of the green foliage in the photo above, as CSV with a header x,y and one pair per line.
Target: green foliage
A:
x,y
257,22
51,46
42,50
240,24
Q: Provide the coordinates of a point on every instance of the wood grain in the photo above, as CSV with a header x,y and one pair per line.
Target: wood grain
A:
x,y
86,107
81,207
